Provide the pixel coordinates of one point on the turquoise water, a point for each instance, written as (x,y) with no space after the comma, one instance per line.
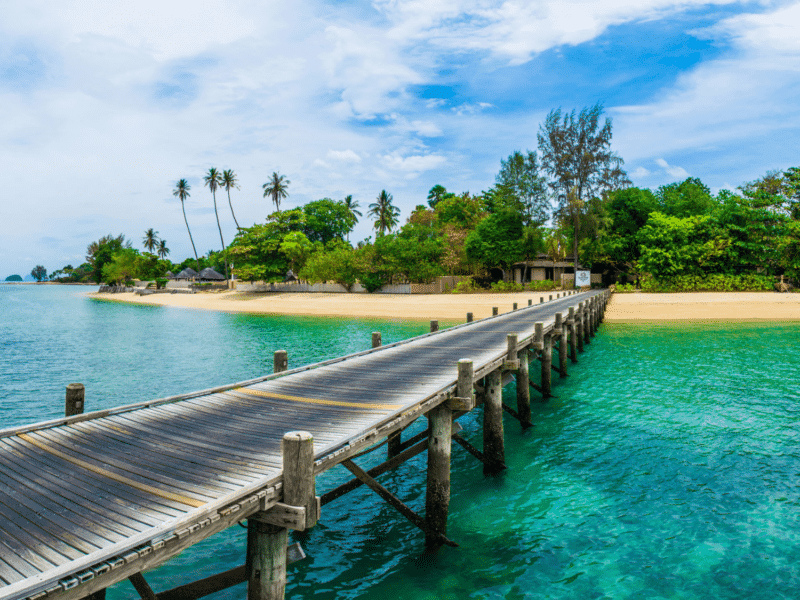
(667,465)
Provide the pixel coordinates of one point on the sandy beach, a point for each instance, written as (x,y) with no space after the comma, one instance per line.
(734,306)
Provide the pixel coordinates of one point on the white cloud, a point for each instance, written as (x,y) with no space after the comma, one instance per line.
(414,163)
(344,155)
(671,170)
(639,173)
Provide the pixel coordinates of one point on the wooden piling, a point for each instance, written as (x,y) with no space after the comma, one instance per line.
(495,311)
(561,332)
(524,389)
(541,299)
(74,399)
(530,302)
(579,321)
(547,366)
(437,496)
(266,543)
(376,339)
(280,361)
(469,317)
(585,320)
(573,355)
(493,442)
(434,326)
(515,306)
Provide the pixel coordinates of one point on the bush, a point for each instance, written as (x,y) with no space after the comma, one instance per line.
(541,286)
(161,283)
(708,283)
(506,286)
(466,286)
(624,288)
(372,281)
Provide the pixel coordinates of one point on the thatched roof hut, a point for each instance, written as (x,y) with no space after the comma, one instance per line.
(210,274)
(169,275)
(187,273)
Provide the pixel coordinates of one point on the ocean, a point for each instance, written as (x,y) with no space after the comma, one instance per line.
(666,466)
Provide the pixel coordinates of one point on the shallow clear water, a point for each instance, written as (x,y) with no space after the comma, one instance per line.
(667,466)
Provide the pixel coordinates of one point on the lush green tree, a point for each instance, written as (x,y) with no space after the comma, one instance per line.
(276,188)
(519,178)
(413,254)
(39,273)
(297,248)
(256,251)
(182,193)
(339,265)
(14,278)
(353,207)
(122,267)
(327,220)
(162,249)
(671,246)
(229,181)
(463,211)
(102,251)
(436,194)
(497,241)
(213,180)
(385,213)
(688,198)
(576,154)
(150,240)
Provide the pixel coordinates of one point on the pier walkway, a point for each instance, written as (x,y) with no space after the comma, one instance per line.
(89,500)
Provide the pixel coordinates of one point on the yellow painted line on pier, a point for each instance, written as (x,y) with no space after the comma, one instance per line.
(111,475)
(365,405)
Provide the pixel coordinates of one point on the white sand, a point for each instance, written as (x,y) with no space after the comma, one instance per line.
(733,306)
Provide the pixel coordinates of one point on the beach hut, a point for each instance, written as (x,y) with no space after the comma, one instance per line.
(187,273)
(210,274)
(169,275)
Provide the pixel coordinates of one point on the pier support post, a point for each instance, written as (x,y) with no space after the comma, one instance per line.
(585,319)
(573,355)
(437,496)
(469,317)
(547,366)
(74,399)
(524,389)
(541,299)
(434,326)
(593,328)
(579,318)
(376,339)
(493,442)
(515,306)
(561,329)
(266,543)
(495,311)
(280,361)
(530,302)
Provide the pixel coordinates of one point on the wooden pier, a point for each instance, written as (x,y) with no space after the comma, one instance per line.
(91,499)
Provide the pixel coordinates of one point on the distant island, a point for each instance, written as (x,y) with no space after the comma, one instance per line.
(13,278)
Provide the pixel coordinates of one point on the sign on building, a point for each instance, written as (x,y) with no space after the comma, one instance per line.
(583,278)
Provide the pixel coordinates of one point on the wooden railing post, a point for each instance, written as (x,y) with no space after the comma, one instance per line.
(493,442)
(561,327)
(434,326)
(495,311)
(437,493)
(280,361)
(572,334)
(469,317)
(74,399)
(376,339)
(266,543)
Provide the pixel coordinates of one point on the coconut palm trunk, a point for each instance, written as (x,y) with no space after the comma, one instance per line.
(182,192)
(213,180)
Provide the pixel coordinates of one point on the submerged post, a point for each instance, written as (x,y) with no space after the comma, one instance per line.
(74,399)
(437,495)
(434,326)
(493,442)
(376,339)
(561,329)
(266,543)
(280,361)
(573,355)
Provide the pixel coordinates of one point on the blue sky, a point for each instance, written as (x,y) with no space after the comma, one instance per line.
(106,105)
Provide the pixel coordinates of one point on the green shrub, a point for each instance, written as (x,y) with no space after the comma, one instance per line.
(541,286)
(465,286)
(624,288)
(506,286)
(161,283)
(751,282)
(372,281)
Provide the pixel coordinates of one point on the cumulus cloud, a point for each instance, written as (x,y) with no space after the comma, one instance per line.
(639,172)
(414,163)
(672,170)
(344,155)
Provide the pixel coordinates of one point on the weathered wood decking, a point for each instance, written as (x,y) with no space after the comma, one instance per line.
(92,499)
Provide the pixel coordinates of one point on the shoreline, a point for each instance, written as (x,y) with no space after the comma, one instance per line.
(622,308)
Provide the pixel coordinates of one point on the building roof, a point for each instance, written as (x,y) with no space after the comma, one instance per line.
(187,273)
(209,273)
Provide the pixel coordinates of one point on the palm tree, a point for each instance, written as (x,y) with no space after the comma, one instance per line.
(150,239)
(276,187)
(213,180)
(229,181)
(385,213)
(352,206)
(162,249)
(182,191)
